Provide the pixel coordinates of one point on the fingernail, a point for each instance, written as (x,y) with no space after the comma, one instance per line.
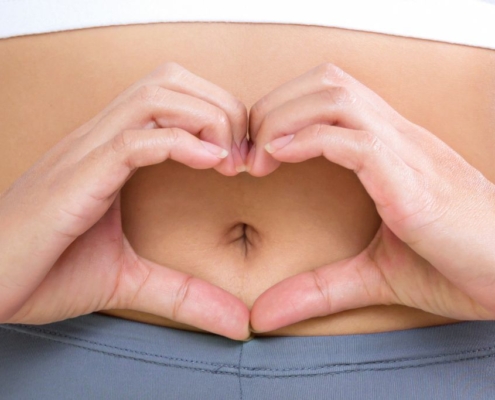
(214,149)
(277,144)
(250,337)
(251,329)
(250,158)
(244,148)
(238,161)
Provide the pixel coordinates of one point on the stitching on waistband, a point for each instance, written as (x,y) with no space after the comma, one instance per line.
(237,374)
(163,364)
(367,369)
(239,371)
(260,369)
(52,333)
(397,360)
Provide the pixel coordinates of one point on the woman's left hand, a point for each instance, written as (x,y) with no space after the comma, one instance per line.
(435,249)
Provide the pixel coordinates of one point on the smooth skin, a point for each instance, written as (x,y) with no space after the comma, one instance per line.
(61,222)
(435,247)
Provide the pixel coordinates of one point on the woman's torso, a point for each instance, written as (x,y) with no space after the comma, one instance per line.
(298,218)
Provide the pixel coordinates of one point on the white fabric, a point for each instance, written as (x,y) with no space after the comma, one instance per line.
(468,22)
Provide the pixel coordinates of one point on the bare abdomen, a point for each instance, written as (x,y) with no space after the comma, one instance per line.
(245,233)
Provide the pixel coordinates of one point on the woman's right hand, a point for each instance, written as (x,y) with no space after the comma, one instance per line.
(62,249)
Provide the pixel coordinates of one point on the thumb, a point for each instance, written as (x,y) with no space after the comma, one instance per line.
(155,289)
(347,284)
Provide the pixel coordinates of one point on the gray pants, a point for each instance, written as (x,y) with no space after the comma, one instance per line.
(102,357)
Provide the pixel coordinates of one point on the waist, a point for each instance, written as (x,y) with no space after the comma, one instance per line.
(245,233)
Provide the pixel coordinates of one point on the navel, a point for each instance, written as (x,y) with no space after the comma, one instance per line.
(244,235)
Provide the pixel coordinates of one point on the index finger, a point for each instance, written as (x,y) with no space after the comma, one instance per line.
(175,77)
(323,76)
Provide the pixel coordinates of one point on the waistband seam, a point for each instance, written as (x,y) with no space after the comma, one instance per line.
(73,338)
(367,369)
(241,375)
(108,353)
(247,372)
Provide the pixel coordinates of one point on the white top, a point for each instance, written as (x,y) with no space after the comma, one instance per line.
(468,22)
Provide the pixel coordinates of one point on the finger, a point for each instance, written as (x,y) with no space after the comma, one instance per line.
(102,171)
(101,281)
(413,199)
(386,272)
(238,158)
(345,285)
(164,108)
(174,77)
(158,290)
(336,106)
(398,190)
(323,77)
(78,198)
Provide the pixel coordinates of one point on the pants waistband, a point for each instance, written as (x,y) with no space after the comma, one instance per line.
(271,356)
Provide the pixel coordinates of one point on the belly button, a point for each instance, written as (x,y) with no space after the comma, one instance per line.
(244,235)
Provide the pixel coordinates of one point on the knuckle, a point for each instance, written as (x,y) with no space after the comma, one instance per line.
(172,136)
(123,147)
(321,285)
(221,119)
(257,109)
(368,149)
(370,142)
(146,88)
(171,73)
(97,154)
(317,133)
(339,96)
(330,75)
(132,281)
(149,93)
(121,142)
(239,110)
(169,68)
(181,297)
